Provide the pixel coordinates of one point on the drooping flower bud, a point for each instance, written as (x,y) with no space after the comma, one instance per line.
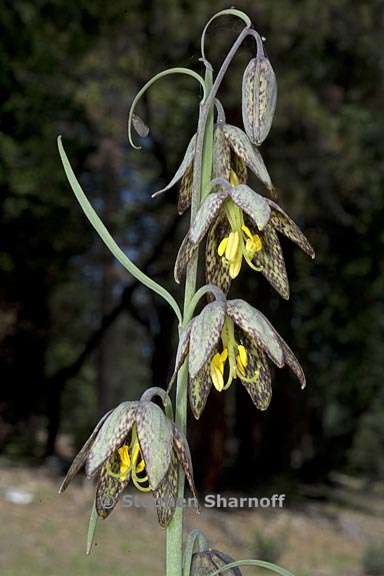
(259,94)
(208,561)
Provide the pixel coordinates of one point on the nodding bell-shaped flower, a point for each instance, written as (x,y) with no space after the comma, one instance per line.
(232,150)
(229,340)
(208,561)
(135,442)
(242,226)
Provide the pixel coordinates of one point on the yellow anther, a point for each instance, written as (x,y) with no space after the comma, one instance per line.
(247,231)
(130,461)
(140,467)
(124,455)
(125,462)
(243,355)
(242,359)
(235,267)
(232,246)
(233,179)
(217,369)
(222,246)
(253,242)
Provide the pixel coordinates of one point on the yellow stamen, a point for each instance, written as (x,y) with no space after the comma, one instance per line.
(247,231)
(232,246)
(131,461)
(222,246)
(217,369)
(243,355)
(235,267)
(242,359)
(140,467)
(125,462)
(253,242)
(233,179)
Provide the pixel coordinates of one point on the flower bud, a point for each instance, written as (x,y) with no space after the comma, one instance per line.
(259,99)
(204,563)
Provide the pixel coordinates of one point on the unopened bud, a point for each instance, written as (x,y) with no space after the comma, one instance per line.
(259,99)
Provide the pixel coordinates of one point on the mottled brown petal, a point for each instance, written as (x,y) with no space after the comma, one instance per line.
(205,333)
(241,145)
(82,455)
(199,388)
(155,435)
(293,363)
(180,446)
(259,94)
(185,191)
(216,272)
(271,261)
(206,215)
(284,224)
(261,390)
(184,255)
(109,488)
(182,351)
(253,204)
(256,325)
(186,162)
(239,166)
(166,494)
(221,161)
(111,436)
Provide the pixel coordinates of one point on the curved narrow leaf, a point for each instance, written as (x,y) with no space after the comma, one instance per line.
(107,238)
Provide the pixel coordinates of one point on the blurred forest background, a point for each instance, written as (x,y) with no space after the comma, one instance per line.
(78,335)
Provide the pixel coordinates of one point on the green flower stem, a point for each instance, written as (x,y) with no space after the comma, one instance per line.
(91,528)
(227,12)
(202,173)
(216,292)
(185,71)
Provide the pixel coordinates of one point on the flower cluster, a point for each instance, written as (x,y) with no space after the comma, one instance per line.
(231,339)
(228,339)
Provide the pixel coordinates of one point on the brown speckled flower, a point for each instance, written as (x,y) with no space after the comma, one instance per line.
(229,340)
(135,442)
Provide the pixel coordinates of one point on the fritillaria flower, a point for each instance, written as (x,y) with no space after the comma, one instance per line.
(229,340)
(134,442)
(243,227)
(232,150)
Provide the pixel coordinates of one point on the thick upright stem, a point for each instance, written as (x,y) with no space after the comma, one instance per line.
(201,176)
(202,173)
